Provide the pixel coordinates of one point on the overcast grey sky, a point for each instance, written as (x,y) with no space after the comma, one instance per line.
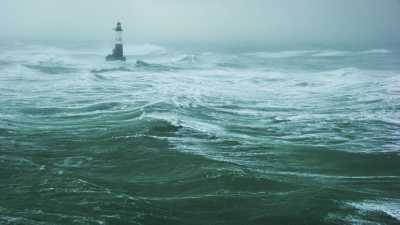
(296,21)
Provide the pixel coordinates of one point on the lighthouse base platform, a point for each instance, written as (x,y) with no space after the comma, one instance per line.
(117,54)
(115,58)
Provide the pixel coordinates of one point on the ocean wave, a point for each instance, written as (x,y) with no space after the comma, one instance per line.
(281,54)
(390,207)
(4,63)
(188,123)
(145,49)
(15,161)
(139,65)
(317,53)
(51,111)
(4,219)
(109,70)
(52,68)
(153,66)
(188,58)
(376,51)
(340,53)
(229,181)
(331,53)
(36,56)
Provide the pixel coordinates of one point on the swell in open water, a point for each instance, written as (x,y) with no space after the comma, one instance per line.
(173,137)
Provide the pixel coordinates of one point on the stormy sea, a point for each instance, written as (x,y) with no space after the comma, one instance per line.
(191,137)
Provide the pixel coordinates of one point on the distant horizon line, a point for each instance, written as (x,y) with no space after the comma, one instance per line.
(202,44)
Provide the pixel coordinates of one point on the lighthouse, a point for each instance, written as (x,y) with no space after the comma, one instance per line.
(118,51)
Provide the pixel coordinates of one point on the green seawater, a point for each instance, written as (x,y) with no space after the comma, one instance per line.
(175,136)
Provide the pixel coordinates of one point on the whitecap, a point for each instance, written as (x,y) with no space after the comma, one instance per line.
(376,51)
(389,207)
(282,54)
(331,53)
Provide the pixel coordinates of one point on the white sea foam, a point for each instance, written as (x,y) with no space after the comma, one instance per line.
(282,54)
(390,207)
(146,49)
(316,53)
(376,51)
(331,53)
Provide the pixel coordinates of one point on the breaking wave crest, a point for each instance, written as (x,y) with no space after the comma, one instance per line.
(319,53)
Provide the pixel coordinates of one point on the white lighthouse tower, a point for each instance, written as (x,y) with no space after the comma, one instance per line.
(118,51)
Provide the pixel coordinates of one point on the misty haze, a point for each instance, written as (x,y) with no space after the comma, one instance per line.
(204,112)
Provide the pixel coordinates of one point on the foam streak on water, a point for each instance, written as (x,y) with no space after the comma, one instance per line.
(171,137)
